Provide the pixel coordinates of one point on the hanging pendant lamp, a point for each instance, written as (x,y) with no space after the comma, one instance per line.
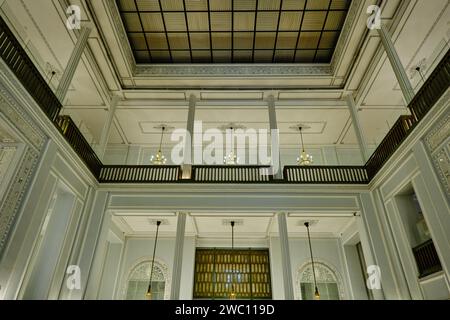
(231,159)
(233,292)
(149,291)
(316,292)
(159,158)
(304,159)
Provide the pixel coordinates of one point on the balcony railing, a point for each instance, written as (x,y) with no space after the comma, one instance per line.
(432,90)
(20,64)
(76,139)
(139,174)
(326,174)
(231,174)
(398,133)
(427,259)
(18,61)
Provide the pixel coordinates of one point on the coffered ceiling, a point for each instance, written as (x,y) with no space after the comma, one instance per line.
(233,31)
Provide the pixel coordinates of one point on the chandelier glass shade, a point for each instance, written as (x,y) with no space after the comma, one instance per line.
(231,159)
(304,159)
(159,159)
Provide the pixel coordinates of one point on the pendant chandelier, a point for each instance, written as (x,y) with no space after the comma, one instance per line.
(304,159)
(231,159)
(316,291)
(233,292)
(159,159)
(149,291)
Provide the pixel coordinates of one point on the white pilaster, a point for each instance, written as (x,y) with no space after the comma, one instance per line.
(400,73)
(178,258)
(72,65)
(190,130)
(134,155)
(358,128)
(434,204)
(285,257)
(107,128)
(274,126)
(330,156)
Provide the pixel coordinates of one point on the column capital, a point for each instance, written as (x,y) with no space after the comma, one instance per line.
(271,98)
(192,97)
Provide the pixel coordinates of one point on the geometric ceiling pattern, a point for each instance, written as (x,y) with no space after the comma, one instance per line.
(233,31)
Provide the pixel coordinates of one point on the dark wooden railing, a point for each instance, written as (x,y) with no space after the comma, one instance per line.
(427,259)
(76,139)
(231,174)
(20,64)
(326,174)
(432,90)
(139,174)
(401,129)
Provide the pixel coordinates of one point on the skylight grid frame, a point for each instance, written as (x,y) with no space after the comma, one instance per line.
(199,41)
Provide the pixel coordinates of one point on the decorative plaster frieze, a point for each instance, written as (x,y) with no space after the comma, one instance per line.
(224,70)
(20,123)
(14,197)
(6,156)
(441,162)
(440,131)
(437,142)
(142,267)
(13,111)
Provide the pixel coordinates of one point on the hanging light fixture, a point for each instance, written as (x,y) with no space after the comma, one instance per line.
(149,291)
(231,158)
(159,158)
(316,292)
(304,159)
(233,292)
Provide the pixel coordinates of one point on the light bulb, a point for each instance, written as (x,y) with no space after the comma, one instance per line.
(317,294)
(158,159)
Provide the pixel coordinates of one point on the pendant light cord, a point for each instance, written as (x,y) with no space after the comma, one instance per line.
(232,255)
(312,259)
(158,223)
(232,147)
(162,135)
(301,136)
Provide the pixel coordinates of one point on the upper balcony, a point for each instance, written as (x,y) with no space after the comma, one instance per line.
(20,64)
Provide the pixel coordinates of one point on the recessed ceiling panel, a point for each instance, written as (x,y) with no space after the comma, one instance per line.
(233,31)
